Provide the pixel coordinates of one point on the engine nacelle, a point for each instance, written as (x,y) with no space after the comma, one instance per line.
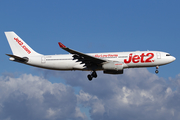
(113,66)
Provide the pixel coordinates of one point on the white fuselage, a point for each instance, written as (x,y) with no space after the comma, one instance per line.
(109,63)
(127,59)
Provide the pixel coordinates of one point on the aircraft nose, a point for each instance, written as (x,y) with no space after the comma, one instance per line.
(174,58)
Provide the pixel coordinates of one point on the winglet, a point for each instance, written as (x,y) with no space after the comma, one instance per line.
(61,45)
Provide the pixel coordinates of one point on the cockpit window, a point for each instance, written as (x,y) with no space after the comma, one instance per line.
(168,55)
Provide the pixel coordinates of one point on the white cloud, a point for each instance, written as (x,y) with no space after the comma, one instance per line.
(137,94)
(32,97)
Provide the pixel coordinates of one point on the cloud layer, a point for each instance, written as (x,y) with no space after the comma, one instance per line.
(34,98)
(137,94)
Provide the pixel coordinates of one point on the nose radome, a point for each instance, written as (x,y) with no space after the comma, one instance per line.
(173,58)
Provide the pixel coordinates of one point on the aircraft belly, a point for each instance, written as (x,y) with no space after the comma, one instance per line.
(60,65)
(57,65)
(141,65)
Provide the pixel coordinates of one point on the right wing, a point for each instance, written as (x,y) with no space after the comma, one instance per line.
(88,60)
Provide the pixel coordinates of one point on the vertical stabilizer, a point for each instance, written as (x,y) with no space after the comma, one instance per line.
(18,46)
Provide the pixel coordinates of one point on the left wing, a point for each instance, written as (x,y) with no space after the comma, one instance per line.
(88,60)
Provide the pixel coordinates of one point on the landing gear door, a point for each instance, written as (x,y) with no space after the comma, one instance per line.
(158,55)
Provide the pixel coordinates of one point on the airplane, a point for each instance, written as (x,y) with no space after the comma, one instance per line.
(109,63)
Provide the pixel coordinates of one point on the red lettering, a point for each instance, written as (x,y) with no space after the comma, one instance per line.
(16,39)
(23,46)
(20,43)
(142,58)
(151,56)
(116,55)
(135,59)
(96,55)
(118,64)
(26,49)
(128,61)
(105,56)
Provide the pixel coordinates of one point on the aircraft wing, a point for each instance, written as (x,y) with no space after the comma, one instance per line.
(88,60)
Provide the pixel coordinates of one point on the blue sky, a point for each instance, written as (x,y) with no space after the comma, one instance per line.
(92,26)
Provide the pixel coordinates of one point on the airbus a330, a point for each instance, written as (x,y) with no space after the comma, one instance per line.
(109,63)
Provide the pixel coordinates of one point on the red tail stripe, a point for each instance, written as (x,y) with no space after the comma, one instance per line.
(61,45)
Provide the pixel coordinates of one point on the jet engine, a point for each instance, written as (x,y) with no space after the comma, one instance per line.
(113,68)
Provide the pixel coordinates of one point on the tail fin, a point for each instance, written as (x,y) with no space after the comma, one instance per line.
(18,46)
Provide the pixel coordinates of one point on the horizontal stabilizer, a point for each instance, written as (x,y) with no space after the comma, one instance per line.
(18,59)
